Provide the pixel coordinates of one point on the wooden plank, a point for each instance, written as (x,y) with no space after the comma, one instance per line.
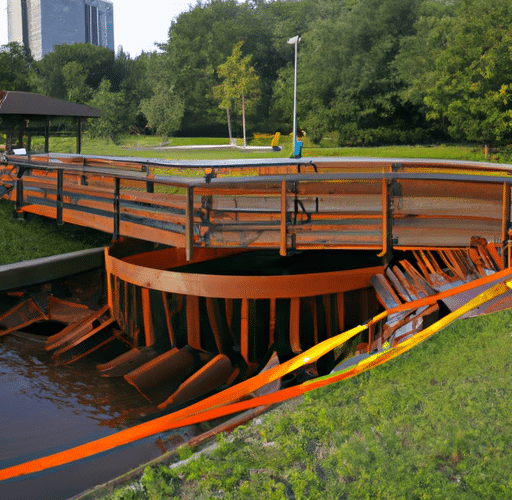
(157,379)
(83,337)
(413,292)
(295,325)
(168,321)
(193,323)
(20,316)
(385,293)
(205,380)
(218,324)
(149,331)
(75,331)
(272,321)
(244,330)
(395,282)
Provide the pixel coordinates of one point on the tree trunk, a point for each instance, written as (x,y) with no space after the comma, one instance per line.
(229,127)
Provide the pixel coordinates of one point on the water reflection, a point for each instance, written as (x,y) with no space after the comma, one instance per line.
(46,405)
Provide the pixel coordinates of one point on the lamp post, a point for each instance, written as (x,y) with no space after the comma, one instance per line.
(294,41)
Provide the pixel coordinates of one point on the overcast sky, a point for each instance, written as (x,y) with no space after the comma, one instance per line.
(138,24)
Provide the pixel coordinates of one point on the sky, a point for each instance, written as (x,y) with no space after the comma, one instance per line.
(138,24)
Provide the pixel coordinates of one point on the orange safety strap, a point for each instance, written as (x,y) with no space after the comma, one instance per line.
(223,404)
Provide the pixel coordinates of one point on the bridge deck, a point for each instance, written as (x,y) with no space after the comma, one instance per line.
(285,204)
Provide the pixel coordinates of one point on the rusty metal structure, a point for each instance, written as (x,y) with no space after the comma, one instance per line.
(219,270)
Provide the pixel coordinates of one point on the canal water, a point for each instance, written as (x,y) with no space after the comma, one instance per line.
(46,407)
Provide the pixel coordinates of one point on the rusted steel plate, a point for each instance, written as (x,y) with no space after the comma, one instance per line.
(23,314)
(253,287)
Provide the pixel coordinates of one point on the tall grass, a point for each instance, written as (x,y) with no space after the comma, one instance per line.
(34,237)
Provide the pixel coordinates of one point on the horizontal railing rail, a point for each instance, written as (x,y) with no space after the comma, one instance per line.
(304,203)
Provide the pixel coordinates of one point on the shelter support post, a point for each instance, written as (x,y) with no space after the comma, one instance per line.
(78,135)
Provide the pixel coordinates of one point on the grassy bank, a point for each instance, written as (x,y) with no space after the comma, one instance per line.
(433,424)
(34,237)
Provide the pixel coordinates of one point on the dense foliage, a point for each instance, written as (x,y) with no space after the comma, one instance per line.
(370,72)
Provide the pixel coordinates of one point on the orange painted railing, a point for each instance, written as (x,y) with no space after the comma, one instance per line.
(304,204)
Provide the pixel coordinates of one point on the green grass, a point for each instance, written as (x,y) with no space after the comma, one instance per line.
(452,152)
(144,146)
(38,237)
(432,424)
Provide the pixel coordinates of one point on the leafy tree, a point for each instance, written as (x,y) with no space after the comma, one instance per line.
(16,68)
(75,77)
(164,111)
(203,38)
(464,78)
(240,83)
(113,119)
(97,63)
(347,83)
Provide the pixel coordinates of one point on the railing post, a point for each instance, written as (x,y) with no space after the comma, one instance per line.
(390,189)
(189,223)
(505,223)
(385,218)
(150,185)
(60,182)
(282,247)
(115,233)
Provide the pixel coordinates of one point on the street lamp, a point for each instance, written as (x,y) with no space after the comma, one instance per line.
(295,147)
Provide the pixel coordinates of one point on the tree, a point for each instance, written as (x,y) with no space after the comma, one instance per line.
(75,77)
(164,111)
(97,63)
(240,84)
(464,76)
(113,119)
(16,68)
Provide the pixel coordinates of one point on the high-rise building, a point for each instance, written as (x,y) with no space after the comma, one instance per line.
(42,24)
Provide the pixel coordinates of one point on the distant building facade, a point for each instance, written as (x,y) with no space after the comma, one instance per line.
(42,24)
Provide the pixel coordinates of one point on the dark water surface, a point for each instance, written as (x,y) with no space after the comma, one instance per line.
(46,407)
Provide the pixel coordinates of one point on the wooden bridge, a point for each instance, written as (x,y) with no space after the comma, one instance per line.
(285,204)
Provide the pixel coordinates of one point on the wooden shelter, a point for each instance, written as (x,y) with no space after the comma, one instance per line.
(24,113)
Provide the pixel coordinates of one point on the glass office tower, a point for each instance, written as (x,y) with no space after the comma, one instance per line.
(42,24)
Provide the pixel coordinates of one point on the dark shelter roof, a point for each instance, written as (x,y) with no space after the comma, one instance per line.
(25,103)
